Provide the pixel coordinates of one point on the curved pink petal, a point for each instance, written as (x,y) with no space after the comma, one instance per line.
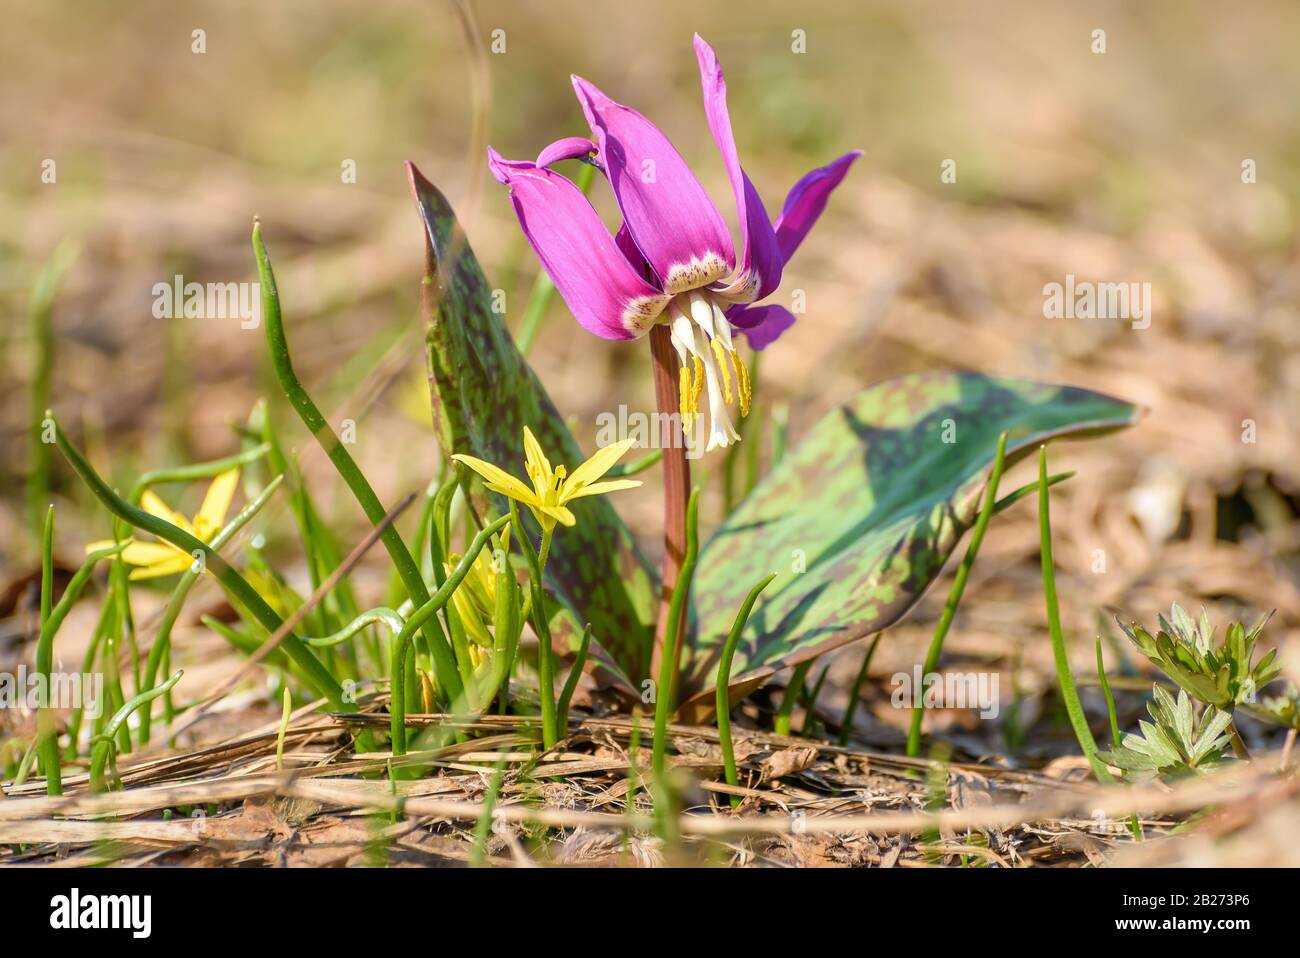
(623,239)
(762,325)
(675,225)
(761,262)
(567,148)
(599,285)
(806,202)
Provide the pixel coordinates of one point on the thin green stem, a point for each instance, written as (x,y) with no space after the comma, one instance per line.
(1029,488)
(723,702)
(1110,699)
(285,711)
(483,827)
(636,466)
(541,625)
(41,312)
(104,748)
(855,693)
(1069,694)
(664,688)
(398,643)
(571,683)
(957,590)
(47,565)
(45,731)
(376,616)
(810,704)
(197,470)
(793,690)
(49,740)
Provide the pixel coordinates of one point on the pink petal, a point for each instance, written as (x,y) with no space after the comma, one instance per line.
(806,202)
(568,148)
(675,225)
(761,324)
(760,267)
(601,288)
(623,239)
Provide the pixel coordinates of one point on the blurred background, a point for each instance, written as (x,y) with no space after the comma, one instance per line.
(1116,166)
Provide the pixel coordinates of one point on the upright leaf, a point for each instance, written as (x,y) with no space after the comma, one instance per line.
(483,394)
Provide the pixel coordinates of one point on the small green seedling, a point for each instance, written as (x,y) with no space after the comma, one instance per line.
(1177,742)
(1219,675)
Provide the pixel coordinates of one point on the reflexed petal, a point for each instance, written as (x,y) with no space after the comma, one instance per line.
(509,485)
(156,507)
(674,223)
(212,514)
(761,324)
(806,202)
(595,467)
(760,267)
(568,148)
(600,287)
(178,562)
(600,488)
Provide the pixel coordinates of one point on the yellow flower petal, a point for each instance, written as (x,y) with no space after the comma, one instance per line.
(595,467)
(149,553)
(600,488)
(524,496)
(539,467)
(556,512)
(180,563)
(212,514)
(509,485)
(156,507)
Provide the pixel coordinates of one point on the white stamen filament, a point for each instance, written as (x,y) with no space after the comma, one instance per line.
(721,432)
(705,313)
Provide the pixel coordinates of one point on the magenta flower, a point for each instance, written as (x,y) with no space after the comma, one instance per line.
(672,261)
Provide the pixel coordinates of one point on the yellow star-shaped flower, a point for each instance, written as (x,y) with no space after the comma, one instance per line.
(155,559)
(553,488)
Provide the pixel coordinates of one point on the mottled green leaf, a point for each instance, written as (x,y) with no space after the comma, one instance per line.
(869,506)
(483,394)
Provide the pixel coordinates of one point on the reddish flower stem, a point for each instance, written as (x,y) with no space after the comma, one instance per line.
(677,483)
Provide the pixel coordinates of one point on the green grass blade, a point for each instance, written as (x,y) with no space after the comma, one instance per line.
(443,660)
(1069,694)
(104,745)
(676,609)
(792,693)
(571,683)
(41,312)
(855,693)
(958,588)
(724,680)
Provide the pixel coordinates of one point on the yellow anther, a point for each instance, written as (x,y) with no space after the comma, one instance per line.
(684,397)
(698,383)
(720,354)
(742,383)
